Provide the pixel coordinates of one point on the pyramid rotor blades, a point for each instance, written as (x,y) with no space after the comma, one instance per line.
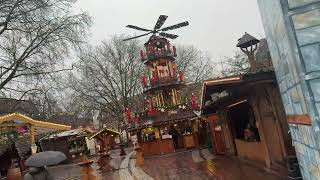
(137,36)
(161,20)
(176,26)
(138,28)
(167,35)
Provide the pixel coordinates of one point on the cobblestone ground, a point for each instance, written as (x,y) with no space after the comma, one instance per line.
(234,169)
(177,166)
(191,165)
(72,171)
(181,166)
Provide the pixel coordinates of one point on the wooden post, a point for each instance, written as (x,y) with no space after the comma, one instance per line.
(86,169)
(32,135)
(254,103)
(122,152)
(104,162)
(14,173)
(139,156)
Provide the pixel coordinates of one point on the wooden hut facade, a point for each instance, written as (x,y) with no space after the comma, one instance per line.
(247,118)
(72,143)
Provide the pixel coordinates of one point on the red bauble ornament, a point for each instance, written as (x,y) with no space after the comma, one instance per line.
(128,114)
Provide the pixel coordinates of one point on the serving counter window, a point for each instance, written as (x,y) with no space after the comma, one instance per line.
(148,134)
(244,122)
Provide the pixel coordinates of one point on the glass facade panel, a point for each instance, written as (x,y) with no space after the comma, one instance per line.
(318,109)
(295,98)
(296,3)
(309,35)
(302,29)
(315,86)
(308,19)
(311,57)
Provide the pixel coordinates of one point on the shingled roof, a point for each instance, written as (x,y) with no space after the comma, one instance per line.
(263,46)
(247,40)
(167,116)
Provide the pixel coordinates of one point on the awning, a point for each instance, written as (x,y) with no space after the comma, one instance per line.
(35,126)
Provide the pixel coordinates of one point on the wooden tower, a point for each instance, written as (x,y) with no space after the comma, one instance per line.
(162,82)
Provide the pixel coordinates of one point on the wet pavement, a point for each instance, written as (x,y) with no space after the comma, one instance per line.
(182,166)
(191,165)
(177,166)
(234,169)
(72,171)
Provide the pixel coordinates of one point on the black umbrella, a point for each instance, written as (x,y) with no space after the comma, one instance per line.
(45,158)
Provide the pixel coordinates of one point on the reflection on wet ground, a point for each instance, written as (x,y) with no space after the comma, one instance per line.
(179,166)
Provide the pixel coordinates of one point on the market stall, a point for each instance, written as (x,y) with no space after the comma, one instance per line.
(18,138)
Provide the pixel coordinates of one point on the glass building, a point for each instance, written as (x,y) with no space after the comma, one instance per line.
(293,33)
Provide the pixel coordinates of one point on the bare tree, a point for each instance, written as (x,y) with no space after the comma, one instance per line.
(238,64)
(195,64)
(36,36)
(108,76)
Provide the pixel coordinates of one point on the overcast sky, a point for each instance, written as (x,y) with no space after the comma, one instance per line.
(215,25)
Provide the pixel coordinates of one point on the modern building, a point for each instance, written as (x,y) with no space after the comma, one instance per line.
(293,33)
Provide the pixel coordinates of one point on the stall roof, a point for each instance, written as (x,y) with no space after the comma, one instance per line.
(23,146)
(167,116)
(213,86)
(108,130)
(40,126)
(73,132)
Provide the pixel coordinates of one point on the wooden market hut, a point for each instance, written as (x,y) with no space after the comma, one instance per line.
(105,139)
(156,134)
(18,133)
(72,143)
(247,118)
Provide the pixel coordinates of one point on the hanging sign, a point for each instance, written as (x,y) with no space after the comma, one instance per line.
(219,95)
(299,119)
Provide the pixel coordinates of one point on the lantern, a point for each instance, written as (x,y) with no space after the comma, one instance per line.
(152,81)
(136,119)
(181,76)
(149,107)
(174,50)
(193,101)
(144,81)
(141,54)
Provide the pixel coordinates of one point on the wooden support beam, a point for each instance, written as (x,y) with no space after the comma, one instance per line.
(32,135)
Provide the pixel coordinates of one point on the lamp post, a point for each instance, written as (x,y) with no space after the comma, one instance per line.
(248,45)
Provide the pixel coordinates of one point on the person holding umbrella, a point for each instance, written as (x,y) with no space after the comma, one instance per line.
(38,173)
(37,164)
